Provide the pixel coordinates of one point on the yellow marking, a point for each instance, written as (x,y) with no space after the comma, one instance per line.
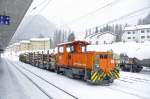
(117,74)
(109,74)
(93,76)
(104,75)
(100,77)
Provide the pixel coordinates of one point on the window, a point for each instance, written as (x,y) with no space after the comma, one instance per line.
(133,32)
(83,49)
(148,36)
(129,37)
(104,56)
(133,37)
(147,31)
(129,32)
(142,31)
(61,49)
(142,37)
(70,48)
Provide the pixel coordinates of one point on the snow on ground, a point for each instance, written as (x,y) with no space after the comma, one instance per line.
(132,49)
(129,86)
(13,85)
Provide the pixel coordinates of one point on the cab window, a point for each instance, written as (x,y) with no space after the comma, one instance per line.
(70,49)
(61,50)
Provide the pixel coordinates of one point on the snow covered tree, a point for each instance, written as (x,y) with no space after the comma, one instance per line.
(71,37)
(96,29)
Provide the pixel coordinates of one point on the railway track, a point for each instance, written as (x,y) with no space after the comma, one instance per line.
(137,79)
(131,90)
(114,88)
(123,88)
(40,88)
(133,80)
(48,82)
(118,89)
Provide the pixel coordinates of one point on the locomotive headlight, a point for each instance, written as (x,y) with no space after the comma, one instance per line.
(96,65)
(112,61)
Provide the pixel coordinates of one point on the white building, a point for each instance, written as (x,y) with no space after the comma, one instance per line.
(101,38)
(40,43)
(25,45)
(139,33)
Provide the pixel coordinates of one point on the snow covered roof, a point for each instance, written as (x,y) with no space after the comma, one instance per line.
(24,41)
(137,27)
(39,39)
(16,43)
(73,42)
(132,49)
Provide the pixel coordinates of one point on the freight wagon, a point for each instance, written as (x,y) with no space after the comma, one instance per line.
(130,64)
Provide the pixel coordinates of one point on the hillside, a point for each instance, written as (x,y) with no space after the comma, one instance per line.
(34,26)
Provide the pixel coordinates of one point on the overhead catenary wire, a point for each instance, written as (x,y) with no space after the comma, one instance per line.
(122,17)
(38,5)
(42,9)
(92,12)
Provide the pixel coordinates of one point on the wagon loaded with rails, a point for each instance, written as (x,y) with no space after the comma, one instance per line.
(130,64)
(73,60)
(39,59)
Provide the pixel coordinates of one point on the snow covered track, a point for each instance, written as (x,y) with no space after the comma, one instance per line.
(36,84)
(129,86)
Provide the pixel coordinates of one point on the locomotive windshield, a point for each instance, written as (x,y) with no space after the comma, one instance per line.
(70,48)
(104,56)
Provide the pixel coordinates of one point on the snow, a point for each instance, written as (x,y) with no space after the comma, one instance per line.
(137,27)
(24,41)
(132,49)
(129,86)
(13,85)
(39,39)
(16,43)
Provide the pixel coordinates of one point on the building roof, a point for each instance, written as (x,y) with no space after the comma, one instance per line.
(16,44)
(24,41)
(39,39)
(137,27)
(74,42)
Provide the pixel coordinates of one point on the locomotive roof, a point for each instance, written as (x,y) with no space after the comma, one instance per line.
(74,42)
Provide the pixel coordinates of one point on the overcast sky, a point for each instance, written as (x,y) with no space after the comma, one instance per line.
(74,14)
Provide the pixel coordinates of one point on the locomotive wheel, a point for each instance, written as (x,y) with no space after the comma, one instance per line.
(57,70)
